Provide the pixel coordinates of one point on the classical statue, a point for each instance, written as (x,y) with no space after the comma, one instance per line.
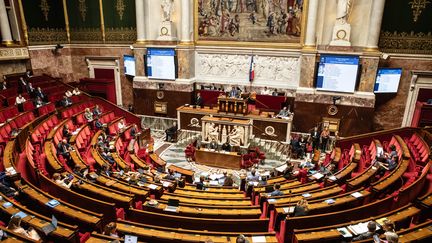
(235,136)
(212,132)
(344,8)
(167,8)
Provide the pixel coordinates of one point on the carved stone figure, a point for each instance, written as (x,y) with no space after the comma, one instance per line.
(212,132)
(167,8)
(235,136)
(343,10)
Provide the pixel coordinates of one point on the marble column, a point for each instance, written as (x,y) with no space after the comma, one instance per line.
(186,6)
(140,27)
(4,25)
(375,24)
(310,37)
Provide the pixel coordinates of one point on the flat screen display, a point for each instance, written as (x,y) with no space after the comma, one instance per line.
(337,73)
(387,80)
(161,63)
(129,65)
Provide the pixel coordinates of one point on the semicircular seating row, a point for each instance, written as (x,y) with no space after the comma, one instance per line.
(219,214)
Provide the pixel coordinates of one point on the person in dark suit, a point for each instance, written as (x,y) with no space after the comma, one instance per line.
(98,124)
(199,100)
(63,149)
(39,93)
(277,191)
(369,234)
(302,208)
(97,111)
(213,145)
(226,146)
(233,93)
(3,84)
(315,135)
(170,132)
(66,101)
(200,184)
(66,133)
(22,85)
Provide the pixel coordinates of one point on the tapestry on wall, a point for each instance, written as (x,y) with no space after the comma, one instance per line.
(249,20)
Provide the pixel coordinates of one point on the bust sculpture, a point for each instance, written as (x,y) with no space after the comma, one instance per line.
(343,11)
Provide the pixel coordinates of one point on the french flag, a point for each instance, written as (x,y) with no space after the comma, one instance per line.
(252,70)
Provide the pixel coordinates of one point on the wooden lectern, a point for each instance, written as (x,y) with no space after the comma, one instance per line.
(232,105)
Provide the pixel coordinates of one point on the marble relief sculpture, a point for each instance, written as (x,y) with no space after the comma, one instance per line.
(343,11)
(212,132)
(235,136)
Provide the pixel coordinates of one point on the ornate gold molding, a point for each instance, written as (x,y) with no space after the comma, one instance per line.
(14,53)
(120,35)
(102,20)
(86,35)
(414,43)
(47,35)
(45,8)
(66,16)
(23,22)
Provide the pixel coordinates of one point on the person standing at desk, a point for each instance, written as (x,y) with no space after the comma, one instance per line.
(213,145)
(170,132)
(233,93)
(283,113)
(199,100)
(226,146)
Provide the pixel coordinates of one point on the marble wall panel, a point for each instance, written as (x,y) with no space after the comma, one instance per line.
(185,59)
(368,73)
(11,67)
(57,64)
(389,109)
(307,70)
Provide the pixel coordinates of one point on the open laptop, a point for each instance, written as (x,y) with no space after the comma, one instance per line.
(51,226)
(130,239)
(173,205)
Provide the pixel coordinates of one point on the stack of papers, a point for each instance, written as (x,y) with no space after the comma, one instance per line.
(171,209)
(7,204)
(381,221)
(152,186)
(329,201)
(356,194)
(360,228)
(344,232)
(11,170)
(53,203)
(333,178)
(271,200)
(258,239)
(21,214)
(214,183)
(318,176)
(166,184)
(289,210)
(281,168)
(306,195)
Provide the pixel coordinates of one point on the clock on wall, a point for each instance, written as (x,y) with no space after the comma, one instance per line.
(164,31)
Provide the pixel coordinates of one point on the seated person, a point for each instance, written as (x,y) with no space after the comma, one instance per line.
(15,226)
(226,146)
(228,180)
(369,234)
(63,149)
(283,113)
(200,184)
(287,173)
(97,111)
(277,191)
(3,85)
(275,92)
(66,132)
(98,124)
(7,190)
(251,101)
(106,170)
(19,101)
(253,176)
(68,93)
(76,91)
(199,100)
(134,131)
(301,208)
(121,125)
(106,155)
(30,89)
(38,102)
(213,144)
(64,182)
(170,132)
(39,93)
(266,91)
(111,230)
(234,93)
(88,115)
(66,101)
(170,176)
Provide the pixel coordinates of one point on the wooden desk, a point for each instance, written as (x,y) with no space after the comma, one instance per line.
(232,105)
(208,201)
(229,160)
(157,161)
(189,174)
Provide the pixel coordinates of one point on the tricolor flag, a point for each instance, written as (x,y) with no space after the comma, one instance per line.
(252,70)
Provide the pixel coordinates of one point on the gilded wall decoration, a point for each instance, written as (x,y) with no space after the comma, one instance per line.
(417,7)
(82,9)
(86,35)
(249,20)
(120,7)
(47,35)
(415,43)
(45,8)
(120,35)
